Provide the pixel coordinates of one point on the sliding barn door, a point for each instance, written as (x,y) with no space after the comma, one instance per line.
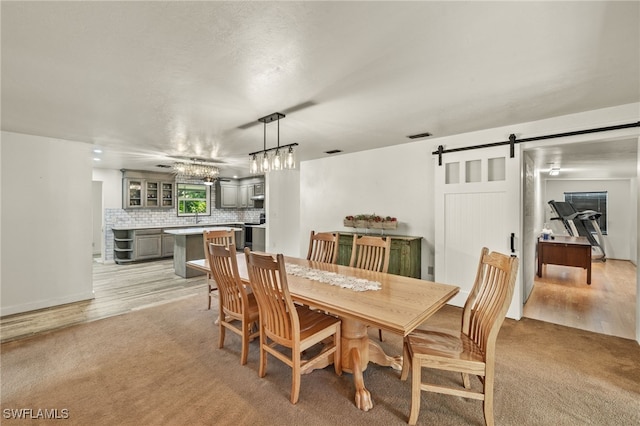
(477,204)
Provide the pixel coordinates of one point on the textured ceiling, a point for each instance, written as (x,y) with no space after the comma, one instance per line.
(149,80)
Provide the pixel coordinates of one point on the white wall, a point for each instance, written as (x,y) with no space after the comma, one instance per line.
(633,228)
(395,181)
(399,180)
(110,183)
(111,187)
(282,212)
(618,240)
(46,222)
(638,249)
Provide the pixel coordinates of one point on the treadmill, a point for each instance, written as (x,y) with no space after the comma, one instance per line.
(577,224)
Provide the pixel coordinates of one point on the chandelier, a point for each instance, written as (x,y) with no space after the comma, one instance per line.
(276,158)
(197,169)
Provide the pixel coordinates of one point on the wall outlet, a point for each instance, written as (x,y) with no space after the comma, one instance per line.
(430,270)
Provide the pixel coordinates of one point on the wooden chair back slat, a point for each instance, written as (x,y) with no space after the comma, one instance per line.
(224,269)
(323,247)
(269,283)
(280,321)
(235,303)
(221,237)
(472,350)
(371,253)
(489,299)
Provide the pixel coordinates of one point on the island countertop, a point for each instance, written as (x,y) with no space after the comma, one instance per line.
(200,230)
(170,227)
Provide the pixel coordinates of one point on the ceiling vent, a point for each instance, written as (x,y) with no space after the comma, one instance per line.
(419,135)
(333,151)
(163,166)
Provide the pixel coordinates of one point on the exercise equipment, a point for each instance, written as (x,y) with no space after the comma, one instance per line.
(577,225)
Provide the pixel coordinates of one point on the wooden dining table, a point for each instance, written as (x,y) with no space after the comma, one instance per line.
(400,305)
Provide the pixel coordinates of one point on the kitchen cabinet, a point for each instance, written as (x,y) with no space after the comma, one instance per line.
(226,195)
(123,246)
(131,245)
(234,194)
(405,257)
(148,244)
(167,245)
(153,191)
(243,196)
(250,194)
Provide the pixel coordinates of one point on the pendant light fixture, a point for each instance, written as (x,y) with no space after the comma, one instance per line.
(282,158)
(195,168)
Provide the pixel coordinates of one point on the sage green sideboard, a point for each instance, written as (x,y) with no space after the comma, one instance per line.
(405,253)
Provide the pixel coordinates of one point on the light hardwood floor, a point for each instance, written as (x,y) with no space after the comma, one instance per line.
(118,289)
(561,296)
(607,306)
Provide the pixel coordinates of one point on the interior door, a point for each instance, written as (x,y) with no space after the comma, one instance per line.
(477,204)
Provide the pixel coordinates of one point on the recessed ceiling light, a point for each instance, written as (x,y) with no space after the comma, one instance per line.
(555,171)
(96,159)
(97,151)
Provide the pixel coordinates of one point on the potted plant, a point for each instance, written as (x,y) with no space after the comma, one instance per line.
(390,223)
(375,221)
(348,221)
(362,221)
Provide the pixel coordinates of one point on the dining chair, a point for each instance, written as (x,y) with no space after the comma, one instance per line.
(472,350)
(372,254)
(215,237)
(323,247)
(236,305)
(285,324)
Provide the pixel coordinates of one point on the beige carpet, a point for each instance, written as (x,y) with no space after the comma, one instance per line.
(161,366)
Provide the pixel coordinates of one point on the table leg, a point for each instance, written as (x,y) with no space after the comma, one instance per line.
(355,357)
(377,355)
(363,396)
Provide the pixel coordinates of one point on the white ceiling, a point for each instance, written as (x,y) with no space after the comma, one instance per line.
(149,80)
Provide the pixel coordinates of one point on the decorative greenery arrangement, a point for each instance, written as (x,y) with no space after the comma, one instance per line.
(371,221)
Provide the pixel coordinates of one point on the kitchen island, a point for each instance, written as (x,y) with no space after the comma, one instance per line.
(188,245)
(135,243)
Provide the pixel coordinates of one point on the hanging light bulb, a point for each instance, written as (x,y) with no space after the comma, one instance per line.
(265,163)
(253,165)
(290,159)
(277,160)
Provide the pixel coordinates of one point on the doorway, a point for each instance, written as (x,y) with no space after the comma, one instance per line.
(97,214)
(561,296)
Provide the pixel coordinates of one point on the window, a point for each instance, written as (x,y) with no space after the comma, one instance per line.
(193,199)
(596,201)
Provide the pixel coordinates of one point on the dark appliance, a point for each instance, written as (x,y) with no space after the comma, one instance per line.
(248,230)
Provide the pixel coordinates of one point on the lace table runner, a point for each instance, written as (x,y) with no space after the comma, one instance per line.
(352,283)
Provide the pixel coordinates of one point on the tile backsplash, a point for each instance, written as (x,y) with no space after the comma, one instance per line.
(163,217)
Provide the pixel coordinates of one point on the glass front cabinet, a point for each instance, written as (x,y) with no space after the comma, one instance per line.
(148,193)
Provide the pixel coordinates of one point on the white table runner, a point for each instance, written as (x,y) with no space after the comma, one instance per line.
(332,278)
